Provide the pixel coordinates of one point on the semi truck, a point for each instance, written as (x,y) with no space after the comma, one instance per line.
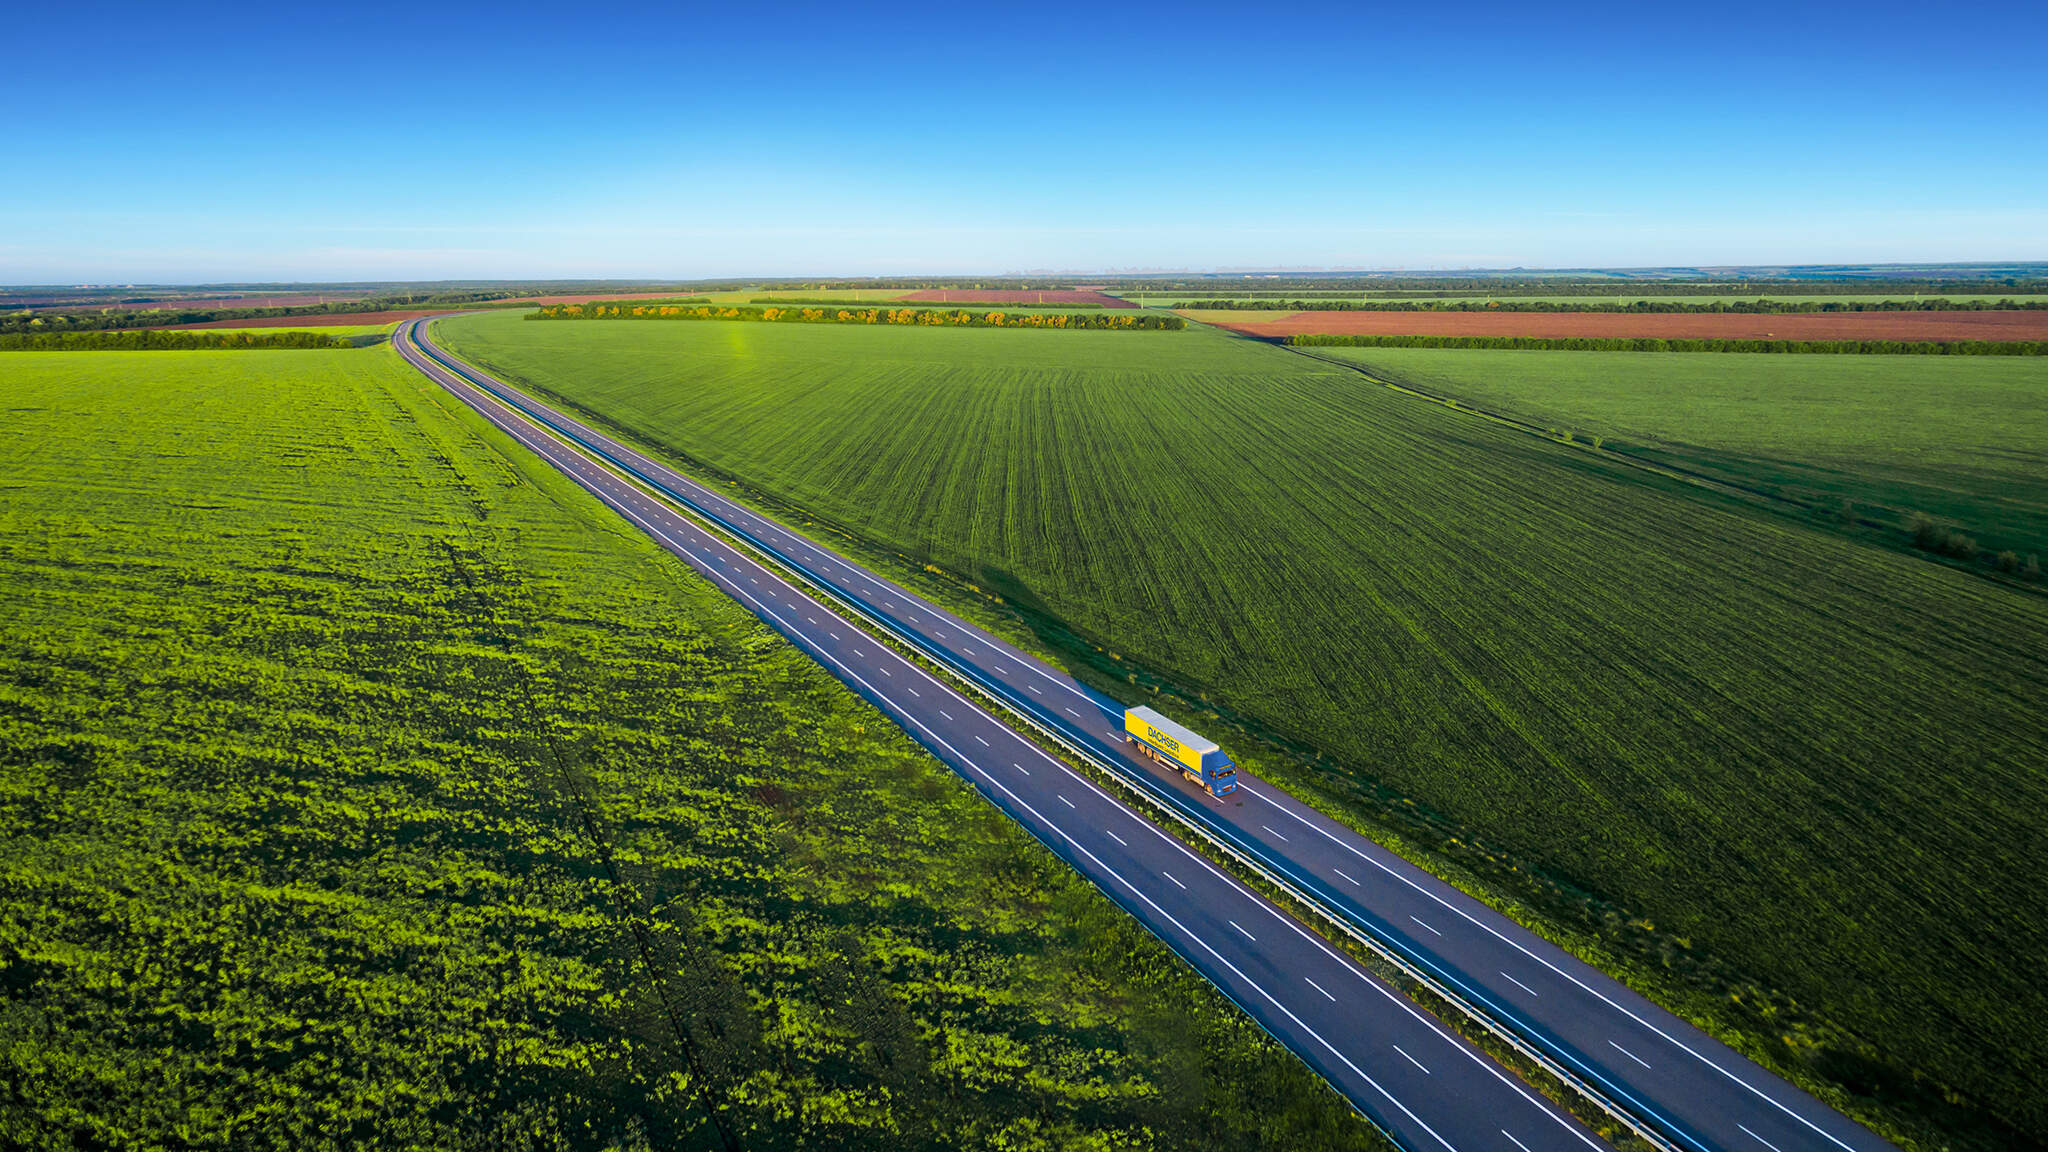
(1174,746)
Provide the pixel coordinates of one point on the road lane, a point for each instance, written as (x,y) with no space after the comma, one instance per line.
(1278,974)
(1695,1092)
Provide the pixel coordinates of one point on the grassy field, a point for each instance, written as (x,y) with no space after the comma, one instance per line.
(363,788)
(1963,439)
(1791,783)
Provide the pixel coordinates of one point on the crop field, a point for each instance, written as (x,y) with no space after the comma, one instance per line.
(177,299)
(1785,780)
(310,324)
(377,321)
(1963,439)
(588,297)
(363,785)
(2032,325)
(850,295)
(1178,299)
(1242,319)
(1016,296)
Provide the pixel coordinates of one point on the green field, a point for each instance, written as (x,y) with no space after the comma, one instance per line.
(1794,784)
(1964,439)
(365,787)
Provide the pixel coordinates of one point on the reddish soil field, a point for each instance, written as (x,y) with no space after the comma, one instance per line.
(1666,325)
(313,320)
(1014,296)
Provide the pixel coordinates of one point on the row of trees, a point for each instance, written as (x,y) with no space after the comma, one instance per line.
(1646,344)
(160,341)
(1758,306)
(927,317)
(1428,286)
(904,303)
(100,320)
(1943,538)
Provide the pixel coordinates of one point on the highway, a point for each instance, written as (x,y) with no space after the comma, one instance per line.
(1684,1088)
(1419,1082)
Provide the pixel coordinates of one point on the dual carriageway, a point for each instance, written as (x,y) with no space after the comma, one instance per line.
(1420,1082)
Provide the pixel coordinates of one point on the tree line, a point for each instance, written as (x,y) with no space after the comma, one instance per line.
(928,317)
(1758,306)
(902,303)
(160,341)
(32,321)
(1648,344)
(1439,286)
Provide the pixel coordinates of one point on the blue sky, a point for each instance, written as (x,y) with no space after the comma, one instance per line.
(166,143)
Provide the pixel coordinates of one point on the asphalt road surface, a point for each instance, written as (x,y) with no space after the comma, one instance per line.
(1423,1086)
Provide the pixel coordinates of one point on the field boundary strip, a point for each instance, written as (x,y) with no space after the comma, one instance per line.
(1245,857)
(1758,497)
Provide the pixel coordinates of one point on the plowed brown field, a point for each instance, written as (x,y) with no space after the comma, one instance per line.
(1014,296)
(1661,325)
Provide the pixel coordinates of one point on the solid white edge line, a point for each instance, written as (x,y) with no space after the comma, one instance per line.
(1594,992)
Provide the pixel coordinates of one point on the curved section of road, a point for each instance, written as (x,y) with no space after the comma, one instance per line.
(1688,1089)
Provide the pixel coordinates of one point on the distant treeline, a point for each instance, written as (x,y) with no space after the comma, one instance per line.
(931,317)
(1442,286)
(1763,306)
(32,321)
(1602,344)
(166,341)
(842,302)
(153,341)
(43,322)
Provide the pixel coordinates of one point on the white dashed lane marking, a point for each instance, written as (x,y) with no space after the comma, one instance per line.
(1629,1054)
(1411,1059)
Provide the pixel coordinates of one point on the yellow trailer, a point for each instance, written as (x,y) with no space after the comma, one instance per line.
(1170,744)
